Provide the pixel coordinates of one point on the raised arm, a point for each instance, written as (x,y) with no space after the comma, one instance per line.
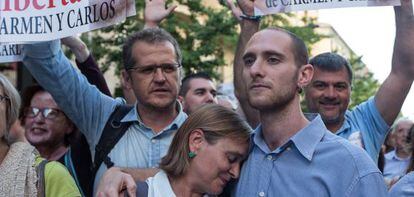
(392,93)
(156,11)
(248,28)
(83,103)
(86,63)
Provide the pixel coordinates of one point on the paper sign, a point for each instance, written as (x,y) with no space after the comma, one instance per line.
(265,7)
(41,20)
(10,53)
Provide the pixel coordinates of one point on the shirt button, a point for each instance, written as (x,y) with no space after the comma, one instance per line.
(153,141)
(288,148)
(269,157)
(261,194)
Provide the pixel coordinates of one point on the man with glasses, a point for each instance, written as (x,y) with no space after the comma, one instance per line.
(152,59)
(55,136)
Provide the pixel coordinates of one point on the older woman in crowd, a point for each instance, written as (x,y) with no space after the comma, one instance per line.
(205,154)
(405,186)
(19,173)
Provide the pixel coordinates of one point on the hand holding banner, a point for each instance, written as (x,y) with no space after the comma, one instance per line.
(33,20)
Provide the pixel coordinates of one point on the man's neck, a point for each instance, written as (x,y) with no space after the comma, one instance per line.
(52,153)
(279,125)
(157,119)
(334,126)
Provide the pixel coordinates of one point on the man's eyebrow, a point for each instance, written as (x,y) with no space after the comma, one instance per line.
(200,89)
(248,54)
(272,52)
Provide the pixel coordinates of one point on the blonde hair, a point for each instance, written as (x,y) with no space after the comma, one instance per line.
(12,103)
(217,122)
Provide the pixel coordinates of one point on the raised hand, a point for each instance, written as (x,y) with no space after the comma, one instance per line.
(155,11)
(404,42)
(244,7)
(77,46)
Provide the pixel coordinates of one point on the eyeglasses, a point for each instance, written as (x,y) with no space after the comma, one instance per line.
(147,70)
(3,98)
(48,113)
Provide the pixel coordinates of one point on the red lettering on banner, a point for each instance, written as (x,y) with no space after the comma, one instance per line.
(17,5)
(37,6)
(51,5)
(22,5)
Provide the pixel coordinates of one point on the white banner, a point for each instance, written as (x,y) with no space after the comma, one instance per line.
(10,53)
(41,20)
(265,7)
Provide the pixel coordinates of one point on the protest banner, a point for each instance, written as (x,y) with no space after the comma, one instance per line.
(265,7)
(34,20)
(10,52)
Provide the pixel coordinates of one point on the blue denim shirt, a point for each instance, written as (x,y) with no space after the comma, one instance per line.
(314,162)
(365,127)
(89,109)
(404,187)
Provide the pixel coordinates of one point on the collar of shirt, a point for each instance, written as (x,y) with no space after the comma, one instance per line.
(393,156)
(304,140)
(133,116)
(345,126)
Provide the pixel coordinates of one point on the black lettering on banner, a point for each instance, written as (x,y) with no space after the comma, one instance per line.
(285,2)
(10,50)
(42,24)
(68,19)
(88,15)
(14,22)
(95,19)
(271,3)
(79,19)
(3,27)
(59,17)
(104,11)
(27,25)
(111,5)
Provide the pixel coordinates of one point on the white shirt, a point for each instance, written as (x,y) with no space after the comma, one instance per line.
(159,186)
(394,165)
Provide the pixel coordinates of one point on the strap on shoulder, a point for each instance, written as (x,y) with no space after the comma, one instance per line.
(40,170)
(113,131)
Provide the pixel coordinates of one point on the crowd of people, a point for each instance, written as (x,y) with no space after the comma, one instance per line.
(173,135)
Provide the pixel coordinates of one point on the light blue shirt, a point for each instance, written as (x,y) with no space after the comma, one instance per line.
(365,127)
(314,162)
(395,167)
(404,187)
(89,109)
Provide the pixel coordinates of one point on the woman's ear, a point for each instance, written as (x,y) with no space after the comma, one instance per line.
(305,75)
(196,140)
